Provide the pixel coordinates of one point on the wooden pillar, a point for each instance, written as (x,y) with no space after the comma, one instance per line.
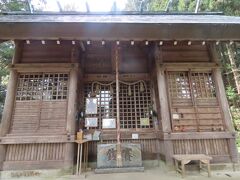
(164,106)
(10,100)
(223,102)
(7,111)
(220,90)
(71,115)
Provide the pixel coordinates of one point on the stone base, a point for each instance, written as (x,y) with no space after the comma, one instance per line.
(119,170)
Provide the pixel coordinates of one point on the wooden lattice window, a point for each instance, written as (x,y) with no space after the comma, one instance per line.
(29,87)
(133,106)
(55,86)
(106,103)
(38,86)
(178,83)
(203,86)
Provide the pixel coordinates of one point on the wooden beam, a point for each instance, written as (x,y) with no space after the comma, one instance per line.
(110,77)
(36,139)
(113,31)
(43,67)
(200,135)
(204,66)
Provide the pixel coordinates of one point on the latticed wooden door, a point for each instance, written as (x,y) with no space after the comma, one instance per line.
(193,101)
(41,103)
(134,104)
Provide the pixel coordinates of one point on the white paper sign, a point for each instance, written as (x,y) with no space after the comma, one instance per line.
(109,123)
(91,106)
(175,116)
(135,136)
(91,122)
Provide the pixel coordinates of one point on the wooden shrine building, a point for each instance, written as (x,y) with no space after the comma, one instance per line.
(171,97)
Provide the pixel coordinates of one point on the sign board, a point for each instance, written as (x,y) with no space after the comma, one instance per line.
(91,122)
(135,136)
(144,122)
(91,106)
(175,116)
(131,155)
(108,123)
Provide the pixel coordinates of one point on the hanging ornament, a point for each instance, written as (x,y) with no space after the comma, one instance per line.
(129,91)
(97,89)
(142,87)
(111,90)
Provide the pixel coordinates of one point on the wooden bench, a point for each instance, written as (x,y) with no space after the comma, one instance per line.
(184,159)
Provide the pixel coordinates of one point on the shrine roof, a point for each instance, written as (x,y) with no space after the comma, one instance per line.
(120,26)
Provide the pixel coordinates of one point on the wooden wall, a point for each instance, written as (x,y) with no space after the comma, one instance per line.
(184,53)
(35,152)
(212,147)
(38,117)
(50,52)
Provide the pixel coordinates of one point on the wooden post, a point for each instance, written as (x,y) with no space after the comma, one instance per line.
(220,89)
(162,91)
(116,57)
(71,114)
(7,111)
(221,94)
(10,100)
(164,106)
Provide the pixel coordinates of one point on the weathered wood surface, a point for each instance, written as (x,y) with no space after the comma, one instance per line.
(152,27)
(43,67)
(50,52)
(39,117)
(35,152)
(32,139)
(185,53)
(7,112)
(187,158)
(37,125)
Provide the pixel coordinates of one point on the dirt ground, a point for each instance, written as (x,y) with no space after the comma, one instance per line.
(157,173)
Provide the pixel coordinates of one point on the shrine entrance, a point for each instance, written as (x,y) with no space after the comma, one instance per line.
(118,102)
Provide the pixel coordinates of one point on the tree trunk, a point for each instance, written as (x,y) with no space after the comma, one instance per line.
(236,74)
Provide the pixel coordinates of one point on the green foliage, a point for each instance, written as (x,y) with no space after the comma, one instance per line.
(231,93)
(229,7)
(13,5)
(236,117)
(6,54)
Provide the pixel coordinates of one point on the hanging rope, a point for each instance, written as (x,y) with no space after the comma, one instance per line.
(142,85)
